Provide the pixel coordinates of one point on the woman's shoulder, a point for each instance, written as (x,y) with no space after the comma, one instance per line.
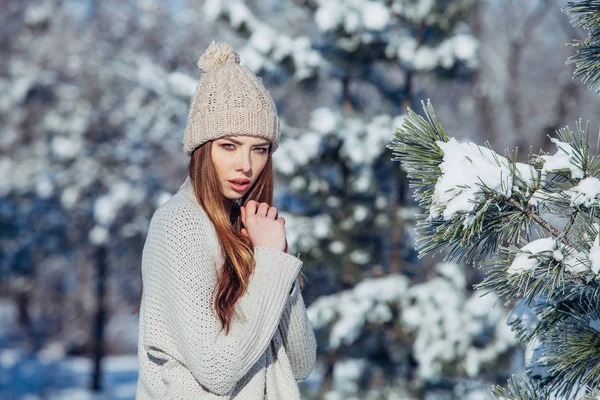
(181,211)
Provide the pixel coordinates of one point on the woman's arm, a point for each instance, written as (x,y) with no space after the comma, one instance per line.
(179,272)
(298,336)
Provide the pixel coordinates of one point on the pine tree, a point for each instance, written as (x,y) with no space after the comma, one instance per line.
(534,227)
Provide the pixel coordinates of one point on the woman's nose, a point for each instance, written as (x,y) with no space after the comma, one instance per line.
(243,163)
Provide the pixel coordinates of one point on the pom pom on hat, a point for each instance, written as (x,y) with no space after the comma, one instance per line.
(217,54)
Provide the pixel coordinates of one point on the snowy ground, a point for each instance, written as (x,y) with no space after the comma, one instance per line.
(48,375)
(27,377)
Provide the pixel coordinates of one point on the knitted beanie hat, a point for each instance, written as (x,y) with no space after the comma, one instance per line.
(229,100)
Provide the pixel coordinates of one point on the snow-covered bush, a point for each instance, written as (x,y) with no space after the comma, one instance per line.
(453,331)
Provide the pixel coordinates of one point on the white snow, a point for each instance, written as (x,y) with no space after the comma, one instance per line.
(416,10)
(360,213)
(98,235)
(9,357)
(182,84)
(329,15)
(576,262)
(585,193)
(346,374)
(360,257)
(524,261)
(212,9)
(564,158)
(65,148)
(457,193)
(425,58)
(44,188)
(337,247)
(263,39)
(105,209)
(324,120)
(528,174)
(239,13)
(594,255)
(375,16)
(161,198)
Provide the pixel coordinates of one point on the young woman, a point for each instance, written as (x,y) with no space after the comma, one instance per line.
(222,316)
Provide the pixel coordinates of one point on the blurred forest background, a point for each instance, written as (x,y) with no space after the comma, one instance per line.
(94,98)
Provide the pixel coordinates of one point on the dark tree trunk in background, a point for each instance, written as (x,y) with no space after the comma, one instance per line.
(98,333)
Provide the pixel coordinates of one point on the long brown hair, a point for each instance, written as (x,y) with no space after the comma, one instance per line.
(237,249)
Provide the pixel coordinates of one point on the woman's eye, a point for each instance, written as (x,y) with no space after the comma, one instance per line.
(228,146)
(262,150)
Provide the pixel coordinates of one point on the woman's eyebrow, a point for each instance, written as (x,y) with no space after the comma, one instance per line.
(240,143)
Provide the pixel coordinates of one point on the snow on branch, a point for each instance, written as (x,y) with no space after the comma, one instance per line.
(535,225)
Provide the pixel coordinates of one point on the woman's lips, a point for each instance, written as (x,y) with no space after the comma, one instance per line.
(239,185)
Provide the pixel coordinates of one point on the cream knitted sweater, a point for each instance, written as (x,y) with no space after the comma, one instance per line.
(183,354)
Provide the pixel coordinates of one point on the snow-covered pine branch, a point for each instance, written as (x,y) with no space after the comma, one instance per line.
(455,332)
(587,60)
(534,225)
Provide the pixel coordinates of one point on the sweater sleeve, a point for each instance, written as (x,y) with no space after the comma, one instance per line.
(179,268)
(298,336)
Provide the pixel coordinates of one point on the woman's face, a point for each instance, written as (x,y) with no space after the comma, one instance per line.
(239,160)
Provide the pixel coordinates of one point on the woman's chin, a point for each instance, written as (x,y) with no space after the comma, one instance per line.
(232,195)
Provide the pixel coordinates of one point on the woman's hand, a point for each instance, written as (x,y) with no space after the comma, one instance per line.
(263,226)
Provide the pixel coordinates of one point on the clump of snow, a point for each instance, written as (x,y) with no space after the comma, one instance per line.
(594,255)
(98,235)
(585,193)
(528,174)
(564,158)
(525,261)
(328,16)
(461,192)
(65,148)
(360,257)
(414,10)
(346,374)
(337,247)
(324,120)
(574,262)
(375,16)
(182,84)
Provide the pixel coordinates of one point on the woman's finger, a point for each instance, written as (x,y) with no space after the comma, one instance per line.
(272,213)
(250,208)
(243,214)
(262,209)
